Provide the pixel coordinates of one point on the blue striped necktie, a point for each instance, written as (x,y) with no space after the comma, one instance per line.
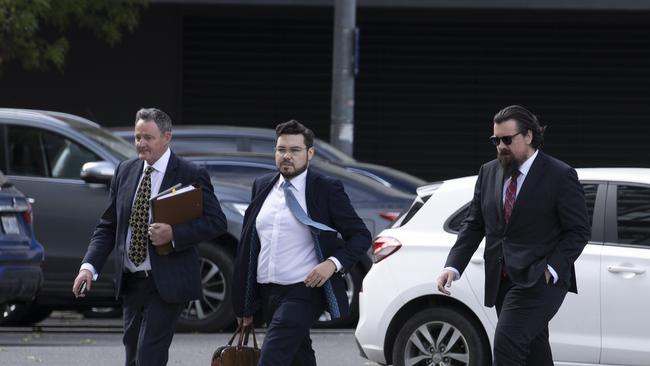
(316,227)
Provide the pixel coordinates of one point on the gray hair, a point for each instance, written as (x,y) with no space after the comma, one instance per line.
(154,114)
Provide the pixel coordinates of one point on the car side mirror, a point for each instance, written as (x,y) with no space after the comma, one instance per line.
(97,172)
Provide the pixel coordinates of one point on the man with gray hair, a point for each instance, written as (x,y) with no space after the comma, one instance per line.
(153,287)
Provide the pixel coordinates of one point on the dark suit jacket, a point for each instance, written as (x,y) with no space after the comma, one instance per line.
(176,275)
(548,225)
(327,203)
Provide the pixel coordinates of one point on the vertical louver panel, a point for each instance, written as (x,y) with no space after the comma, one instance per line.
(431,80)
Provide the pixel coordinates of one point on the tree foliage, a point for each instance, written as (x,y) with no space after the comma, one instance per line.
(33,32)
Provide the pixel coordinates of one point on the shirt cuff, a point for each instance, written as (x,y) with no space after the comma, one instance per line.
(553,273)
(456,273)
(336,263)
(90,268)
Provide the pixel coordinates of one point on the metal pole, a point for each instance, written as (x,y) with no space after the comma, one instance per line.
(343,73)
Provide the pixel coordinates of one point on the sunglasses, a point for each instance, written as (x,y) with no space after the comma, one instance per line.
(507,140)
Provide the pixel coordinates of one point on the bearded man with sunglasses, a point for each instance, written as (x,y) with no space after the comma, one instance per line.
(531,209)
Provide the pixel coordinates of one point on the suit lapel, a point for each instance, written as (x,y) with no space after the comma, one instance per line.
(169,179)
(310,193)
(131,184)
(498,191)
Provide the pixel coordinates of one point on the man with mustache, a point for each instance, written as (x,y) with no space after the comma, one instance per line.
(153,287)
(531,209)
(290,261)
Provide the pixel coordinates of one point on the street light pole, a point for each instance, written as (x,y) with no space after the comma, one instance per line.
(343,72)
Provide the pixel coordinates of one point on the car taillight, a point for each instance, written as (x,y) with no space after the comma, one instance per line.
(389,215)
(383,247)
(28,215)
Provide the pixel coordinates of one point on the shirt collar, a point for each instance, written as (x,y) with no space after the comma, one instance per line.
(298,182)
(525,167)
(161,164)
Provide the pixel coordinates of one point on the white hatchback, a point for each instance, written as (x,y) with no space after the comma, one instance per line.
(404,320)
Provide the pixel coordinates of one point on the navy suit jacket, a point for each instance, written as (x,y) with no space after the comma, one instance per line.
(328,204)
(548,225)
(176,275)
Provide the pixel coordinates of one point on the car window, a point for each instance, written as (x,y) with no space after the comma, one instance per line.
(262,145)
(34,152)
(590,198)
(237,174)
(183,145)
(454,223)
(633,215)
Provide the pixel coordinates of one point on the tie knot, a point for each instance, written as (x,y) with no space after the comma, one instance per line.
(515,174)
(149,170)
(285,184)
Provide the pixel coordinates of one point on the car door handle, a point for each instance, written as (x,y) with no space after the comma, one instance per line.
(477,260)
(621,269)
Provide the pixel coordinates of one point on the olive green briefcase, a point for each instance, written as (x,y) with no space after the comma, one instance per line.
(241,354)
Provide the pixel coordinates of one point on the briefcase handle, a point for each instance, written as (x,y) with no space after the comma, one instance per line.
(244,332)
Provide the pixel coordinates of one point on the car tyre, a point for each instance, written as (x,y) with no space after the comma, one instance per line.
(16,314)
(213,311)
(440,336)
(353,281)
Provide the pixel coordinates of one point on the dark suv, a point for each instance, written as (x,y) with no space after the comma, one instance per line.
(65,163)
(20,254)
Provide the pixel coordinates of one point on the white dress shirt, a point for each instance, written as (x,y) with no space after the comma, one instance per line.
(524,168)
(287,253)
(159,169)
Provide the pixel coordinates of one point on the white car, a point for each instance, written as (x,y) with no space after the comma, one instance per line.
(404,320)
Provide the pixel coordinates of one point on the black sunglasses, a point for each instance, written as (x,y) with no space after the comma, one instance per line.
(507,140)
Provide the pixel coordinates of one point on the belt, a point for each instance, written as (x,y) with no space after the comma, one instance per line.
(138,274)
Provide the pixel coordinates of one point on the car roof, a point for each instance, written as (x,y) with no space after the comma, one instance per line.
(625,175)
(50,117)
(209,129)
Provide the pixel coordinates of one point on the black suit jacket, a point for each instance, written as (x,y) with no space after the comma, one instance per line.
(327,203)
(176,275)
(548,225)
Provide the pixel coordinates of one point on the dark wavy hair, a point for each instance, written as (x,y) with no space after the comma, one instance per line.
(525,119)
(294,127)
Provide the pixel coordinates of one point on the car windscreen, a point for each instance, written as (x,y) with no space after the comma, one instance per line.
(117,146)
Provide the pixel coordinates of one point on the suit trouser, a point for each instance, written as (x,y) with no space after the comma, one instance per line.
(289,312)
(149,322)
(521,336)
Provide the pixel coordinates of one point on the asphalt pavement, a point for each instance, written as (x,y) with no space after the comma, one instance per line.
(66,339)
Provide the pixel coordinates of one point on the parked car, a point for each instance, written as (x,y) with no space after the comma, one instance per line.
(65,163)
(375,204)
(405,321)
(216,139)
(20,254)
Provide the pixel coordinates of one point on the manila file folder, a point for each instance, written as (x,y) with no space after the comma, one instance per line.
(177,207)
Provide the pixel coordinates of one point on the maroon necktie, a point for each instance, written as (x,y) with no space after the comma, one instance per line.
(511,196)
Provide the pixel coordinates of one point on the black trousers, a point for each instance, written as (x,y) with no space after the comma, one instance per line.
(521,336)
(289,312)
(149,322)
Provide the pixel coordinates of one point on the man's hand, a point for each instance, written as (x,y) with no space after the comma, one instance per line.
(247,320)
(84,275)
(548,276)
(320,274)
(160,233)
(444,281)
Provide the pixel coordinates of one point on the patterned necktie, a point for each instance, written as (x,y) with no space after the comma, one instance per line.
(139,220)
(511,196)
(316,227)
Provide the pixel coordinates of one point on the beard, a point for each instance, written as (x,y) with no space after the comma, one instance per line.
(292,173)
(507,161)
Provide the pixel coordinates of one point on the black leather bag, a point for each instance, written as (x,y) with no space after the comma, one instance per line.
(240,354)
